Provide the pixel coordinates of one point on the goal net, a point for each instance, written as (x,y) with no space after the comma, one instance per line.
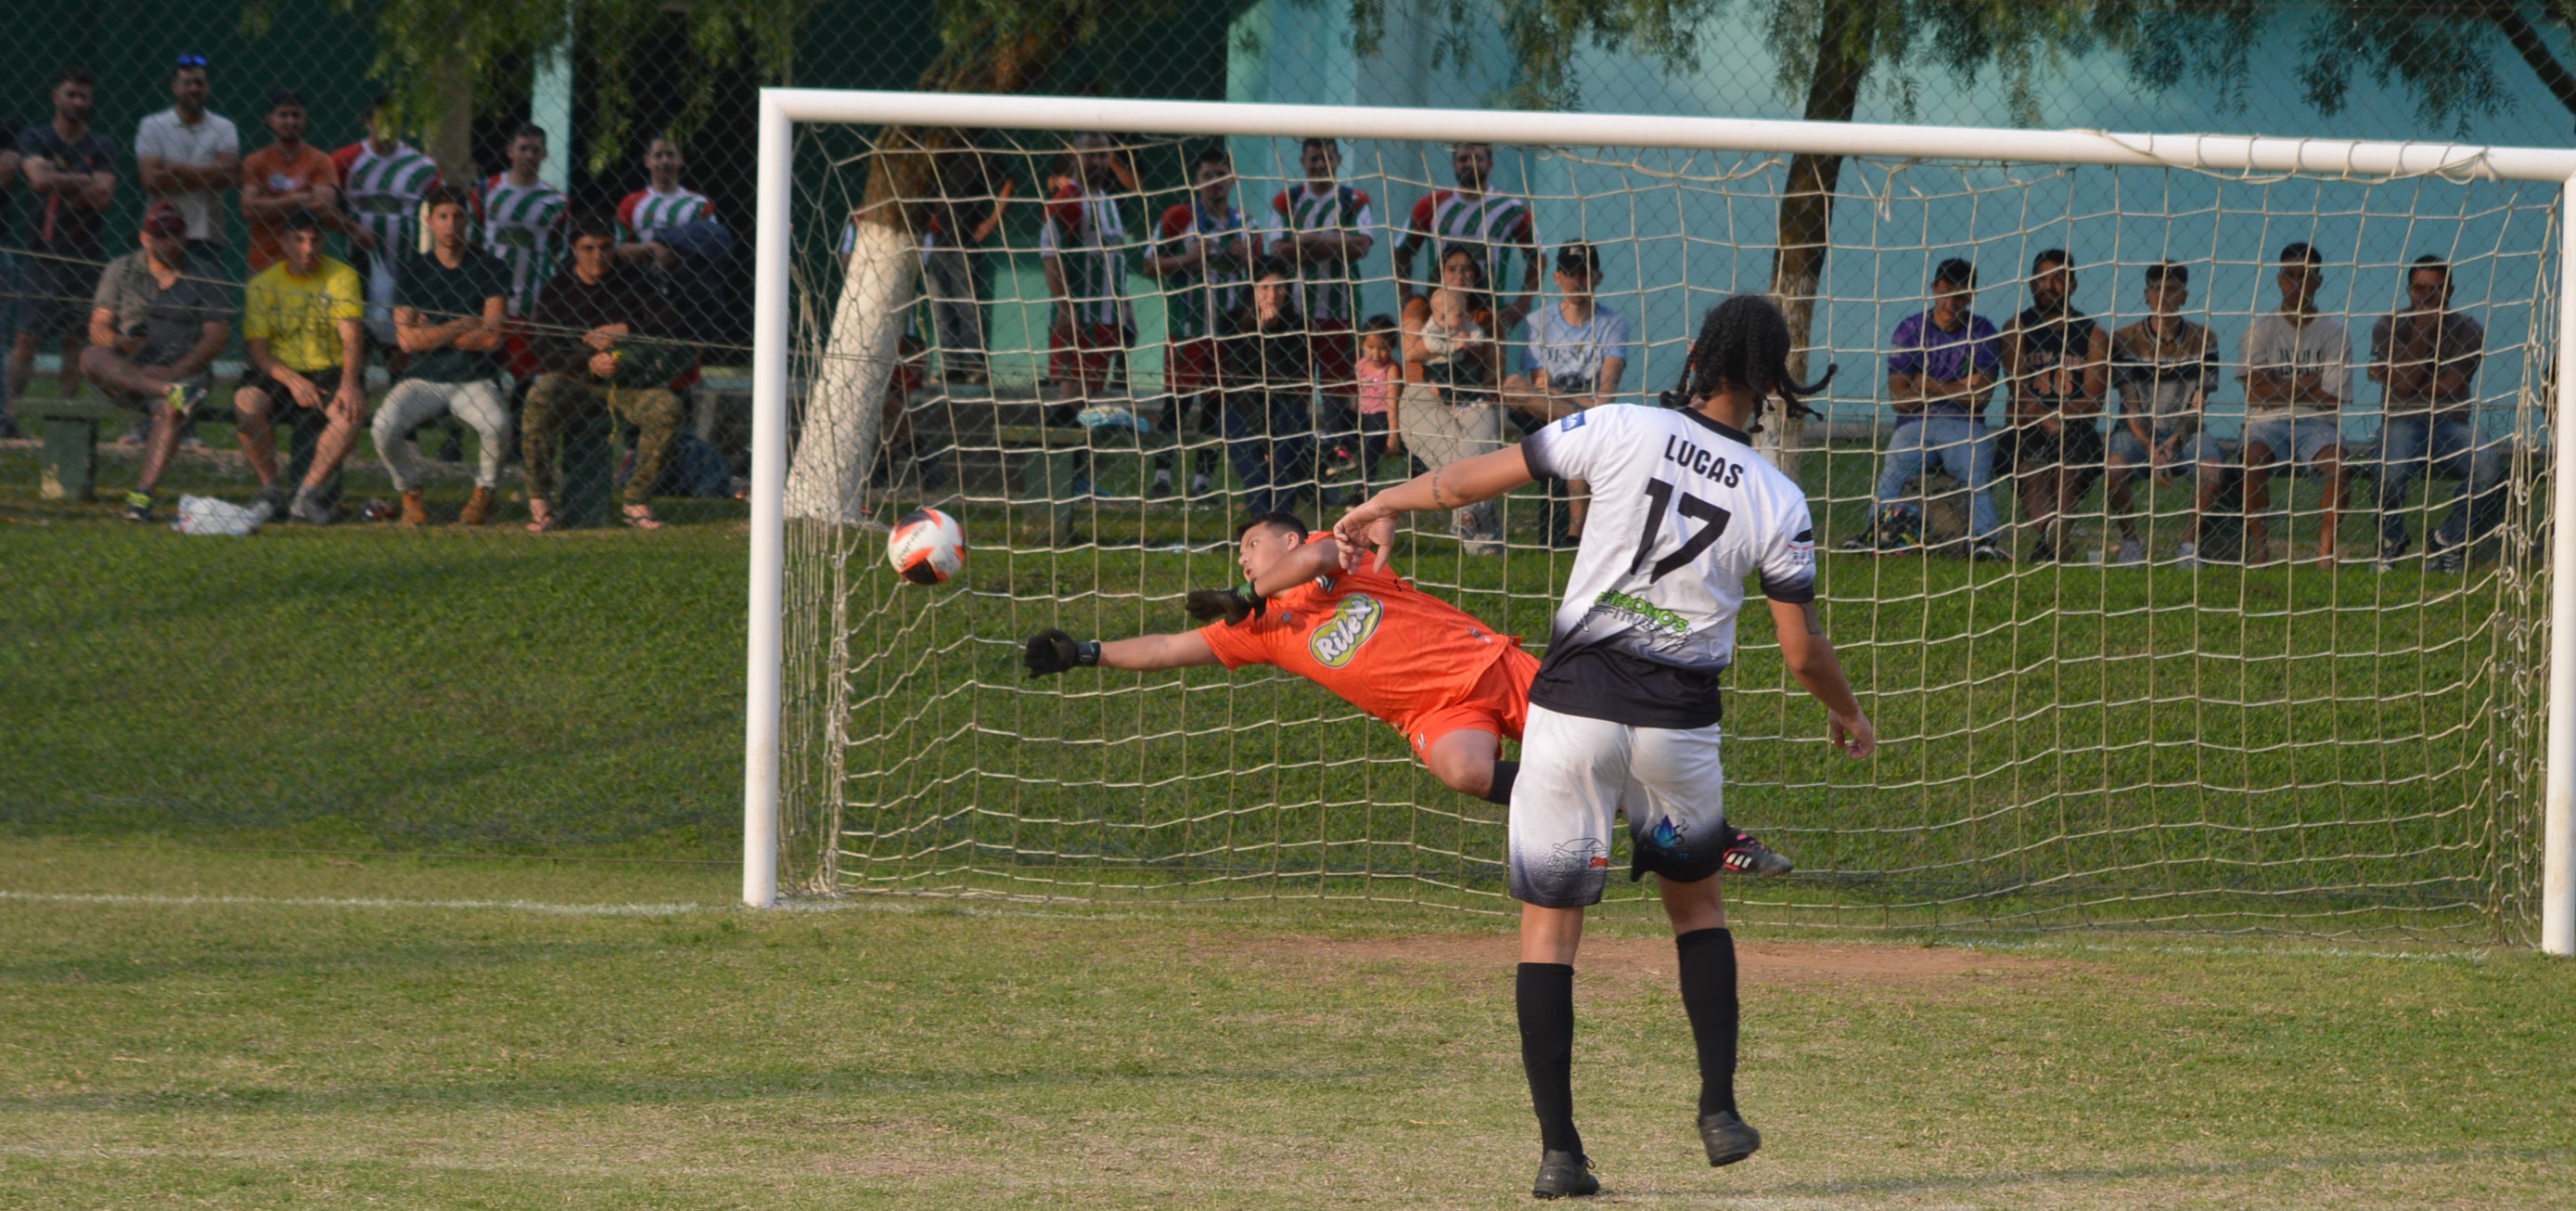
(2163,710)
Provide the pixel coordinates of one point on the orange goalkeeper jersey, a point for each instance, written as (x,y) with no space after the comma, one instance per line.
(1384,646)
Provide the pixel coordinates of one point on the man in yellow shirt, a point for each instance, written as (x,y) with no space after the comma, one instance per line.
(301,318)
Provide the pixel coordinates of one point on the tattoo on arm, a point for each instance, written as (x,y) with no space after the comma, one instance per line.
(1437,500)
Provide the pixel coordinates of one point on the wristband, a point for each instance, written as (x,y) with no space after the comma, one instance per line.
(1086,652)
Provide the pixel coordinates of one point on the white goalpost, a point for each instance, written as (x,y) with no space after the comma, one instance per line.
(2322,749)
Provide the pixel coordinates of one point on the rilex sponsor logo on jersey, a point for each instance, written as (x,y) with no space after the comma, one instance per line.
(1339,639)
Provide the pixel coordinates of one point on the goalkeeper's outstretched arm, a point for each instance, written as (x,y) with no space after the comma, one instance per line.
(1371,526)
(1053,651)
(1811,659)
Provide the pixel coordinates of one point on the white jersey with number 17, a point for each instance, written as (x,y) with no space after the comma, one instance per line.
(1683,512)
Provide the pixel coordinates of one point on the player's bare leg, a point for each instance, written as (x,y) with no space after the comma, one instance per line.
(1544,996)
(1707,958)
(1464,761)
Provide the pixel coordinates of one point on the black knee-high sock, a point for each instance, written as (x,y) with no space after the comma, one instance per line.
(1708,996)
(1545,993)
(1505,773)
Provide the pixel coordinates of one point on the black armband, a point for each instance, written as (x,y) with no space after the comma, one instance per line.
(1086,652)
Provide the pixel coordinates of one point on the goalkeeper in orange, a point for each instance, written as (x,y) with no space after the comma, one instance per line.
(1454,686)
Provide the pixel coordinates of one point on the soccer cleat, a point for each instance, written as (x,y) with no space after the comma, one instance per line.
(1747,855)
(138,506)
(1728,1137)
(1567,1175)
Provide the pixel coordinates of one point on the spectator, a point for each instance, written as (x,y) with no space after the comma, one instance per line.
(1446,410)
(662,207)
(1202,252)
(2056,360)
(449,306)
(10,128)
(522,216)
(1944,365)
(974,190)
(383,180)
(301,318)
(188,156)
(2426,359)
(2298,364)
(1380,375)
(154,330)
(1495,225)
(604,345)
(1577,352)
(1083,248)
(2164,367)
(1269,418)
(71,178)
(286,177)
(1321,228)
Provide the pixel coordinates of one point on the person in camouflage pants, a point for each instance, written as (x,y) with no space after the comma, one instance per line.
(605,344)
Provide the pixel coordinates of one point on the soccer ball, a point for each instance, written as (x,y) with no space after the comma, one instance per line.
(927,546)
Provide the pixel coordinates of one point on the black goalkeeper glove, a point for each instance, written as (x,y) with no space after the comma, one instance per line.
(1228,605)
(1053,651)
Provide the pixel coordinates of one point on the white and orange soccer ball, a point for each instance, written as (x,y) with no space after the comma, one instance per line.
(927,547)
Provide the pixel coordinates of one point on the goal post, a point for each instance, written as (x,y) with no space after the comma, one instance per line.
(825,485)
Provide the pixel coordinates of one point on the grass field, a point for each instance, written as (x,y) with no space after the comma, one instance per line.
(183,1028)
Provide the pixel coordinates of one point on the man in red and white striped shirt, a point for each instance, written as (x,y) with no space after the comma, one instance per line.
(1494,225)
(1084,249)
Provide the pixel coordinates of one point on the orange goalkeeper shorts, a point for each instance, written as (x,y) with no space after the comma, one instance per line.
(1498,705)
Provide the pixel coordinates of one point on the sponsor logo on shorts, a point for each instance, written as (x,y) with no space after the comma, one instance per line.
(1340,638)
(1577,858)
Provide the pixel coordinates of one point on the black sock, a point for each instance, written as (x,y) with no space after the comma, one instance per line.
(1505,772)
(1708,996)
(1545,994)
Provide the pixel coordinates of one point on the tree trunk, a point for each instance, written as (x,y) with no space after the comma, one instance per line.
(451,118)
(1807,206)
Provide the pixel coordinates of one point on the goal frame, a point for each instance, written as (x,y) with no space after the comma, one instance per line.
(781,108)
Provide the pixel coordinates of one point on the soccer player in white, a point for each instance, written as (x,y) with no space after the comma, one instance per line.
(1624,711)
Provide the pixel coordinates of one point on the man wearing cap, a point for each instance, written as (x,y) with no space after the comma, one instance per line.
(1577,352)
(300,319)
(284,177)
(189,155)
(154,329)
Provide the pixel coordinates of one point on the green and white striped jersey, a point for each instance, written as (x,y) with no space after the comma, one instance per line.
(646,213)
(522,225)
(384,190)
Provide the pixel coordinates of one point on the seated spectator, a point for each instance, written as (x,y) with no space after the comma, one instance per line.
(2164,367)
(1943,367)
(1446,410)
(1269,387)
(450,305)
(2298,363)
(300,318)
(153,332)
(2054,359)
(1577,352)
(604,344)
(2426,357)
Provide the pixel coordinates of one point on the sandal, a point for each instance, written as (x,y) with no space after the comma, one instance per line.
(640,516)
(541,516)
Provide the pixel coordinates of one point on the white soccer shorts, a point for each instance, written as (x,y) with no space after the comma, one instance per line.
(1578,773)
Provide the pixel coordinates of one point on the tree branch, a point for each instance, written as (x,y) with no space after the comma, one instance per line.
(2535,51)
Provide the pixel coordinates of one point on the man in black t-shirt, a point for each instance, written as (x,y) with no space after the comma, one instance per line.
(10,127)
(449,304)
(71,177)
(2056,365)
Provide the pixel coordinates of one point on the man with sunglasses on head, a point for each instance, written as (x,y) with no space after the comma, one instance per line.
(189,155)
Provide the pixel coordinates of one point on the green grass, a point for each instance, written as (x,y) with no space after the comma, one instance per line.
(182,1028)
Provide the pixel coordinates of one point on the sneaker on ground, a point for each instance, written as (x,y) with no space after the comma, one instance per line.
(1989,551)
(1481,548)
(2448,557)
(1565,1175)
(272,499)
(308,508)
(1199,485)
(1747,855)
(138,506)
(2131,552)
(2041,553)
(478,507)
(2186,555)
(1161,488)
(1728,1137)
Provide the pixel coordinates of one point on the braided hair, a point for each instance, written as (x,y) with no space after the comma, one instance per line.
(1744,341)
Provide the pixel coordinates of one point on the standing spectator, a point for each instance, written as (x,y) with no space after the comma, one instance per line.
(188,155)
(1577,352)
(1380,375)
(1495,225)
(2056,360)
(449,307)
(522,216)
(301,319)
(10,128)
(1202,252)
(2426,357)
(2298,366)
(1269,418)
(286,177)
(383,179)
(1083,246)
(71,178)
(1939,375)
(154,329)
(2164,367)
(662,207)
(974,191)
(1322,229)
(1446,410)
(604,344)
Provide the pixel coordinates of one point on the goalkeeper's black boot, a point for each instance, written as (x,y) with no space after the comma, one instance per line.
(1728,1136)
(1564,1175)
(1747,856)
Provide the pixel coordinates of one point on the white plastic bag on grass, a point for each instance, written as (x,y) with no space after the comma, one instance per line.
(207,515)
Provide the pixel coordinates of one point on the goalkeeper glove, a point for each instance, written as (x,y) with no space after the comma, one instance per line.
(1230,605)
(1053,651)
